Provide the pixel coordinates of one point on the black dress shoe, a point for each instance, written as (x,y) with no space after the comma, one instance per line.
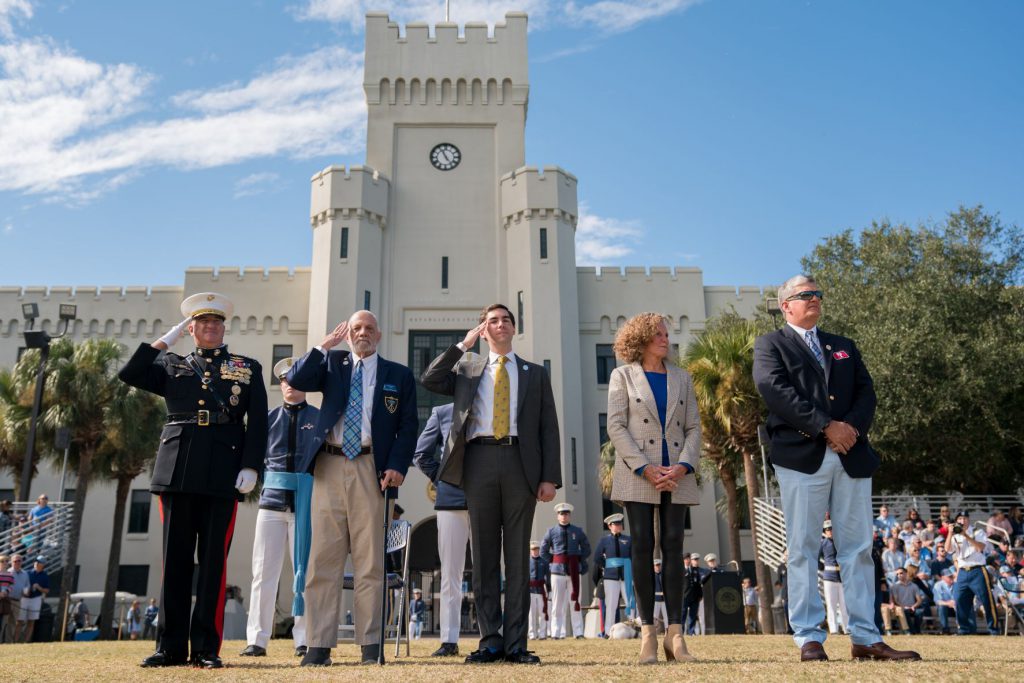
(300,651)
(253,651)
(447,650)
(207,660)
(522,657)
(164,658)
(370,654)
(316,656)
(485,656)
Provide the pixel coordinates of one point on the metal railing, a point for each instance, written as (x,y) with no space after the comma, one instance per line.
(771,522)
(46,537)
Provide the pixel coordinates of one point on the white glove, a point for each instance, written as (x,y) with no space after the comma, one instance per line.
(175,333)
(246,480)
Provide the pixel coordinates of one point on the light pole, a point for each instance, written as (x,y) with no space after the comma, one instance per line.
(771,305)
(39,339)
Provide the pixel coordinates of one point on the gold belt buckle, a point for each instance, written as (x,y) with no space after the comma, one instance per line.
(204,418)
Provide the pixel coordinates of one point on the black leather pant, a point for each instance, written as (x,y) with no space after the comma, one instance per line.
(672,521)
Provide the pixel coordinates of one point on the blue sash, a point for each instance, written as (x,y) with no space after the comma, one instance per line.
(302,485)
(626,566)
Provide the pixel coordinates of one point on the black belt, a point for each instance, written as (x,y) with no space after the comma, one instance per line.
(202,418)
(331,449)
(491,441)
(276,508)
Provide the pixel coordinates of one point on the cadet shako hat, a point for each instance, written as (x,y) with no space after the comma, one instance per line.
(282,367)
(207,303)
(563,507)
(614,519)
(534,544)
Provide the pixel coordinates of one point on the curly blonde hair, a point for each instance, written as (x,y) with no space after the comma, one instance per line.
(633,337)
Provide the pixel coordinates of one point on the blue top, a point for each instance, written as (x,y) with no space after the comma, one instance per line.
(659,387)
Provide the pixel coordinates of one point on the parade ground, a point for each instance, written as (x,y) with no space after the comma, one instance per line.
(721,658)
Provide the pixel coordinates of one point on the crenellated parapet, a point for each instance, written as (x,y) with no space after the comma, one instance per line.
(528,193)
(445,66)
(357,192)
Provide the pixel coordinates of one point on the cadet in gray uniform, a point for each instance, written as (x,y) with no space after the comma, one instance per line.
(566,549)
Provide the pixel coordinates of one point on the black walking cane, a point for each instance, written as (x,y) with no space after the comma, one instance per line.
(384,583)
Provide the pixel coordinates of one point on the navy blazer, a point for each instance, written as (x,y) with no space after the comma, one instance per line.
(431,441)
(393,424)
(803,397)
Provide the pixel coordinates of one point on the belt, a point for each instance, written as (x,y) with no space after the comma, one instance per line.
(201,418)
(276,508)
(968,568)
(331,449)
(491,441)
(833,568)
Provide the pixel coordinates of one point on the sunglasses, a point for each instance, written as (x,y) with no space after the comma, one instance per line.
(807,295)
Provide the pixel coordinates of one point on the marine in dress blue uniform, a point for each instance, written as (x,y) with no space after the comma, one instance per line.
(617,545)
(290,433)
(567,550)
(210,451)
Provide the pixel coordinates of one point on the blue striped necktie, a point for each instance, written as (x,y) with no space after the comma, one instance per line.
(815,349)
(352,430)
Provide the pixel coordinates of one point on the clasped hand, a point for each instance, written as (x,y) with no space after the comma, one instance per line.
(664,478)
(841,436)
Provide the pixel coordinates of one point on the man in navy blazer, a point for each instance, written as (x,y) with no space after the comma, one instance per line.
(362,446)
(821,402)
(452,526)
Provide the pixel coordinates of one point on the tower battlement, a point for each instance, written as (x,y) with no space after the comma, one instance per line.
(529,190)
(358,189)
(445,67)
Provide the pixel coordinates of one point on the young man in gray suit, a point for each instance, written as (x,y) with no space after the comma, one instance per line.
(504,451)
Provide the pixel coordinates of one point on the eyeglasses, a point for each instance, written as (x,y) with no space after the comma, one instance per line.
(807,295)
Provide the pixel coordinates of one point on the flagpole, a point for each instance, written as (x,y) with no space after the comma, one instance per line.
(447,6)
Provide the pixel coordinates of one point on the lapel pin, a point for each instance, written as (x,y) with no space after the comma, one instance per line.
(828,347)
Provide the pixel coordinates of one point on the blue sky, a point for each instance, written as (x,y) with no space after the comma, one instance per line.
(140,138)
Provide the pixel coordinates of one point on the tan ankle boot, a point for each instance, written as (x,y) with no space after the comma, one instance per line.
(675,646)
(649,644)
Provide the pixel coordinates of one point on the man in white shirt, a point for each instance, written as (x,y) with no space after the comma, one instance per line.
(967,546)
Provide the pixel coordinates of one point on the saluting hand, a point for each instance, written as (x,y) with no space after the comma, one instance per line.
(337,335)
(173,335)
(473,335)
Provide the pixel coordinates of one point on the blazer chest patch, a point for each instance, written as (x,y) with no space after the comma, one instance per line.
(391,403)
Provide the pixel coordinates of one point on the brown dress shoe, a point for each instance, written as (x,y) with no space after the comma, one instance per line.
(812,651)
(880,650)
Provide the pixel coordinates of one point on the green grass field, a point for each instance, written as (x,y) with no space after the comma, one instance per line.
(721,658)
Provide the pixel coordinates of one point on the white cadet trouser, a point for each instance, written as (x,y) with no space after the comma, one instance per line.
(538,625)
(612,591)
(700,618)
(452,537)
(274,529)
(660,611)
(834,600)
(561,589)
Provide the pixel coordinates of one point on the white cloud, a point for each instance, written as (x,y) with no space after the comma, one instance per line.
(64,119)
(601,240)
(614,16)
(9,10)
(255,184)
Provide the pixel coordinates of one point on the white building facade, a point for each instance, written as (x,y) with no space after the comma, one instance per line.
(443,219)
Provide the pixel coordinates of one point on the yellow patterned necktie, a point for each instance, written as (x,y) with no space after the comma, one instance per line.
(501,400)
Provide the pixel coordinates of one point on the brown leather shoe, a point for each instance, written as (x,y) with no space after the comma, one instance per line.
(812,651)
(880,650)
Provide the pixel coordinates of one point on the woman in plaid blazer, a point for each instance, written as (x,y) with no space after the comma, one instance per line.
(655,427)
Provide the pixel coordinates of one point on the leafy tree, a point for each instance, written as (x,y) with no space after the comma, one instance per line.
(720,360)
(15,413)
(134,419)
(937,312)
(606,469)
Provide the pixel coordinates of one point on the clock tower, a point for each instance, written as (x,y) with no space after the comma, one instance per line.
(445,218)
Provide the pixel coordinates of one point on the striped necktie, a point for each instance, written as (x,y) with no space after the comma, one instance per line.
(812,343)
(501,400)
(352,430)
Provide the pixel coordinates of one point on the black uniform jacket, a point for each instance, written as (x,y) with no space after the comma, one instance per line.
(204,459)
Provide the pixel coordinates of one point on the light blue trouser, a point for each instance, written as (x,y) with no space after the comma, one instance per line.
(805,499)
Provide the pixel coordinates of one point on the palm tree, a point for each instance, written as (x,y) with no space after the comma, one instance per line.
(15,413)
(606,469)
(721,360)
(134,419)
(79,394)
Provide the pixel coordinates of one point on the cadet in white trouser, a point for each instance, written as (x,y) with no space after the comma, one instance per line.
(660,611)
(452,537)
(566,549)
(834,598)
(561,588)
(275,533)
(539,583)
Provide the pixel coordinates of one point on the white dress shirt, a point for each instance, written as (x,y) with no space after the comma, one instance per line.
(369,385)
(964,552)
(481,417)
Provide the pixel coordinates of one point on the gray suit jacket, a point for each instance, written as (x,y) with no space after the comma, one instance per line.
(455,373)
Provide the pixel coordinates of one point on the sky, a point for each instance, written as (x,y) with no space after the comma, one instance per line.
(138,139)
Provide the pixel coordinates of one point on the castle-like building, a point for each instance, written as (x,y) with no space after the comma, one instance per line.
(444,218)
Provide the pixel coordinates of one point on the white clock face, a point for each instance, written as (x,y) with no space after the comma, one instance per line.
(445,156)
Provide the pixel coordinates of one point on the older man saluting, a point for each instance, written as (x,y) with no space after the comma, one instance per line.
(821,402)
(362,446)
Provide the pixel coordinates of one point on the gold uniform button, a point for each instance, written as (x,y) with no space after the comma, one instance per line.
(831,397)
(202,402)
(207,374)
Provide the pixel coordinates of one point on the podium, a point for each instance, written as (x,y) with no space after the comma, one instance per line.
(723,604)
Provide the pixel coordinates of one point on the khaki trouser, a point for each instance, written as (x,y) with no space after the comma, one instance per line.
(347,511)
(887,612)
